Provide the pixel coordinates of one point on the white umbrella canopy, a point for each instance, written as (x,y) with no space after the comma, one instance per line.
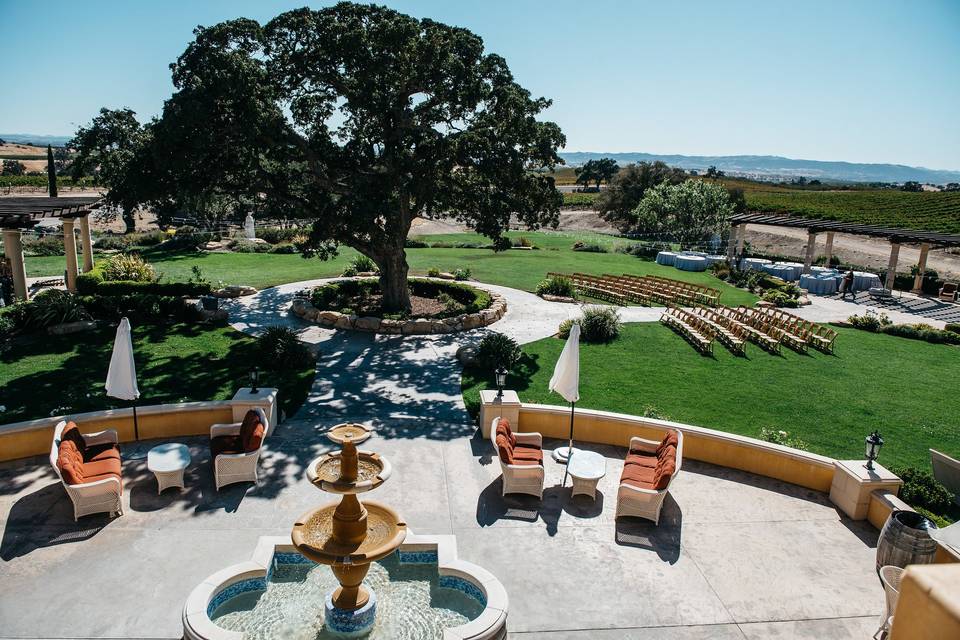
(566,382)
(122,375)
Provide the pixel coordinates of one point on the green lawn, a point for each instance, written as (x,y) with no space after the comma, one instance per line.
(53,375)
(513,268)
(904,388)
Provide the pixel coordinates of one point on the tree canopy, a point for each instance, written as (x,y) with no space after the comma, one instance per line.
(596,171)
(624,192)
(690,212)
(359,118)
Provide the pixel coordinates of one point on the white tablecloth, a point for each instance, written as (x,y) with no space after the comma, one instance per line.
(820,284)
(666,257)
(690,263)
(863,280)
(712,259)
(754,263)
(786,272)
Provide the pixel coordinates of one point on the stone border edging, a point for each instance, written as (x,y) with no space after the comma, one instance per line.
(304,309)
(490,624)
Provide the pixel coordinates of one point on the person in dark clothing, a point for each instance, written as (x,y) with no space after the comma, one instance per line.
(848,285)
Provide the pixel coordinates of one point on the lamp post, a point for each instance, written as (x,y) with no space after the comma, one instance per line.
(254,379)
(872,444)
(501,375)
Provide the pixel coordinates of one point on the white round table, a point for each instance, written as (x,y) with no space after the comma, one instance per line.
(690,263)
(666,258)
(168,462)
(586,468)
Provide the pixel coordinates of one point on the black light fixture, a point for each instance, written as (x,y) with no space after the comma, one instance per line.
(254,379)
(872,443)
(501,374)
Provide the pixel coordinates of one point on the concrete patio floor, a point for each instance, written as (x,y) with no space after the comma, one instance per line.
(734,556)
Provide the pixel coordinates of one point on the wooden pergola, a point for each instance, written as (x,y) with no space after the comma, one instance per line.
(18,214)
(815,226)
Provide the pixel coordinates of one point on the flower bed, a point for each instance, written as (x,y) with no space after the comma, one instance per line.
(438,307)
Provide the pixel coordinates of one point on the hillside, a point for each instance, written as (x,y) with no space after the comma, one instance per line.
(779,167)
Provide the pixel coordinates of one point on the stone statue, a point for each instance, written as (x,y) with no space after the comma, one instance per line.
(248,230)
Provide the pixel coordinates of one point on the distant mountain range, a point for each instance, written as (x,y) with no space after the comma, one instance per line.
(37,139)
(777,167)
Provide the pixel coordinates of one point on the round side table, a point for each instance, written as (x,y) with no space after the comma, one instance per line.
(168,462)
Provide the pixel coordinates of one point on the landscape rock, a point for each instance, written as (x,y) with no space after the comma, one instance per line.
(471,321)
(67,328)
(467,355)
(367,323)
(345,322)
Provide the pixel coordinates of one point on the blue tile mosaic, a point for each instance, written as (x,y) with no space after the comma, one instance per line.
(250,584)
(465,586)
(418,557)
(351,623)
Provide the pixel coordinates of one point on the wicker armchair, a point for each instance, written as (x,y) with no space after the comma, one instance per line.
(88,466)
(648,472)
(235,448)
(521,459)
(890,577)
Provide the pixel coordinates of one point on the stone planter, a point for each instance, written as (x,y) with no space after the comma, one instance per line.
(304,309)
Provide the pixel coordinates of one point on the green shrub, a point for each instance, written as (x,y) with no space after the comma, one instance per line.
(938,520)
(55,306)
(870,321)
(921,331)
(356,295)
(128,267)
(280,349)
(187,237)
(921,490)
(433,272)
(720,270)
(87,282)
(151,238)
(563,331)
(600,324)
(116,241)
(497,350)
(349,271)
(781,437)
(415,243)
(278,235)
(643,250)
(652,411)
(781,299)
(461,274)
(127,287)
(47,245)
(953,327)
(284,248)
(522,241)
(245,246)
(589,247)
(451,306)
(556,286)
(364,264)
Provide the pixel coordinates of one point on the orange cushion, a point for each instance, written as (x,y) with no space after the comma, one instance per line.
(101,452)
(638,476)
(225,444)
(255,438)
(250,422)
(101,467)
(504,449)
(669,451)
(527,456)
(641,460)
(665,471)
(70,463)
(503,427)
(669,438)
(72,434)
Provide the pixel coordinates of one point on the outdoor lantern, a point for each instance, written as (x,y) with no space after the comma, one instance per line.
(501,374)
(873,443)
(254,379)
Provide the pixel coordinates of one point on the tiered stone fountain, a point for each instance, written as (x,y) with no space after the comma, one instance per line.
(349,535)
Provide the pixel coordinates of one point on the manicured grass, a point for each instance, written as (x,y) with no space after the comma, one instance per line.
(53,375)
(512,268)
(903,388)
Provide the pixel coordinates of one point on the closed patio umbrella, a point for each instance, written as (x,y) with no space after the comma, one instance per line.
(566,382)
(122,375)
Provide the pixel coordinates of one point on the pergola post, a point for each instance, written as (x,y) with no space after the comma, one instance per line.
(921,268)
(732,242)
(70,249)
(86,243)
(892,265)
(829,247)
(811,247)
(13,249)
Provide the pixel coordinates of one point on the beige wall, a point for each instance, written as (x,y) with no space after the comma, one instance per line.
(929,604)
(33,437)
(716,447)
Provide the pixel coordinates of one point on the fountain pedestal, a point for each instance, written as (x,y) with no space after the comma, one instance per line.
(349,535)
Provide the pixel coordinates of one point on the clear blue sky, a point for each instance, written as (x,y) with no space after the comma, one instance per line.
(871,81)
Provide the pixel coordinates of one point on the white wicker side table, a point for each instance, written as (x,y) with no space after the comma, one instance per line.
(586,468)
(168,462)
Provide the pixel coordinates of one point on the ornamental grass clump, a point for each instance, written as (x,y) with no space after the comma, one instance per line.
(598,324)
(556,286)
(129,267)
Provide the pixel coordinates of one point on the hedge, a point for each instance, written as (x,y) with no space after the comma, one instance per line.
(92,283)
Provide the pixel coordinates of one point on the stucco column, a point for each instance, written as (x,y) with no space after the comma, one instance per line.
(13,249)
(811,247)
(921,268)
(732,242)
(86,243)
(70,249)
(829,248)
(892,265)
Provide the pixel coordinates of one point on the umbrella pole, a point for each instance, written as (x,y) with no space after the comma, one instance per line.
(569,447)
(136,430)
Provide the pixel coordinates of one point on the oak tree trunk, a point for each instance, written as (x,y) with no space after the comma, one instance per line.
(393,281)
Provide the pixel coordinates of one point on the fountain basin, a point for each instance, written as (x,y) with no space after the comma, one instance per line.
(313,536)
(241,585)
(372,471)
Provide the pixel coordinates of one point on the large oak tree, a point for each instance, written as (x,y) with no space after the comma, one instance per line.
(361,119)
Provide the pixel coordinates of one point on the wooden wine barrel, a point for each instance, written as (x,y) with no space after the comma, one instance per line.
(905,539)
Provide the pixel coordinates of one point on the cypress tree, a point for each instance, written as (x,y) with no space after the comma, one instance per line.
(51,173)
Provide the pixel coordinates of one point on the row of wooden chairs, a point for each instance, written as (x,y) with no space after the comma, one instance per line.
(594,286)
(692,327)
(732,334)
(700,294)
(789,334)
(817,336)
(641,289)
(754,330)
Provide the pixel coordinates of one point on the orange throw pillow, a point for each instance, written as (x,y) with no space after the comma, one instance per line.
(255,439)
(665,471)
(504,449)
(70,463)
